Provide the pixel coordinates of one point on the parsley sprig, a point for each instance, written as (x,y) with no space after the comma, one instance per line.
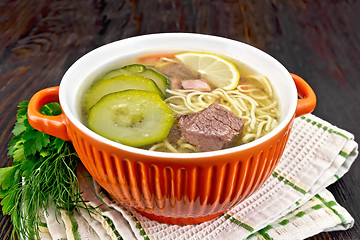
(44,172)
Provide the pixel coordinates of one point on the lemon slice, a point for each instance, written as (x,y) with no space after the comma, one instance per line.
(217,71)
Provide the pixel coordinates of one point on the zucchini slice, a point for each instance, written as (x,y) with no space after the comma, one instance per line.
(131,117)
(118,83)
(161,81)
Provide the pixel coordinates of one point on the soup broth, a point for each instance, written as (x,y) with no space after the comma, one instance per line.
(205,114)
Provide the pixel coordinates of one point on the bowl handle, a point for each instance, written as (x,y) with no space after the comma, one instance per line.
(307,102)
(52,125)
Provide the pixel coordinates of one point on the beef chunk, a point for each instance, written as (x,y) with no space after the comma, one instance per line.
(174,134)
(177,71)
(210,129)
(175,83)
(196,84)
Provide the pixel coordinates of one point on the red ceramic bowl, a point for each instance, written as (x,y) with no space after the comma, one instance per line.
(174,188)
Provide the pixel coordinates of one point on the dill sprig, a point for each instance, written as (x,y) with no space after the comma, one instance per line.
(44,172)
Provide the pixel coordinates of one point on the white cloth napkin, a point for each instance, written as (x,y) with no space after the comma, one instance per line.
(292,204)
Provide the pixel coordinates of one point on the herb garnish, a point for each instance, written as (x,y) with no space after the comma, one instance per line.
(44,172)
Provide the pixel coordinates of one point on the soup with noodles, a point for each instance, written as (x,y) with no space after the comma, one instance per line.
(182,102)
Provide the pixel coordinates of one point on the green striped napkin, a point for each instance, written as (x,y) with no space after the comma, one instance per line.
(292,204)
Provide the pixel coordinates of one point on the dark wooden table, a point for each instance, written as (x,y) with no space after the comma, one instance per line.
(318,40)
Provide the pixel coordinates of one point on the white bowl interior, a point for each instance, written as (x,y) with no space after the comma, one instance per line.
(81,74)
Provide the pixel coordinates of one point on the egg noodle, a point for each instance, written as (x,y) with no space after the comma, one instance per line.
(256,106)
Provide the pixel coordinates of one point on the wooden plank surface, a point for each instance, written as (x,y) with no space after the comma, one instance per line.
(318,40)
